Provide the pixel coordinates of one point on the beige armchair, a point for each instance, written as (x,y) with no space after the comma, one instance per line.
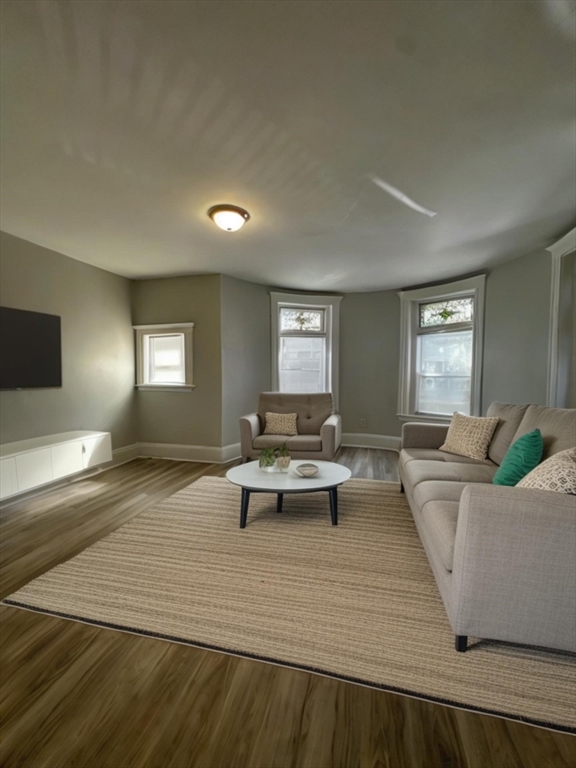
(319,428)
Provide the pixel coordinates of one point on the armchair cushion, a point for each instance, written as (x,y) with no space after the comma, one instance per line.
(295,443)
(280,424)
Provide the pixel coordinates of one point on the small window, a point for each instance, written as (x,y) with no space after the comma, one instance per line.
(164,356)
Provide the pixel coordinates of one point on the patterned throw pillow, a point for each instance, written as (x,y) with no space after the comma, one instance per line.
(281,424)
(470,435)
(558,473)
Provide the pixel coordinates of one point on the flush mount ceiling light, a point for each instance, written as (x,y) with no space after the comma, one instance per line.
(228,217)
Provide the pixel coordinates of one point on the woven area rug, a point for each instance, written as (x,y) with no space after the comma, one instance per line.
(356,601)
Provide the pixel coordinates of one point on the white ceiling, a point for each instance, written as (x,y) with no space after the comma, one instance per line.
(123,122)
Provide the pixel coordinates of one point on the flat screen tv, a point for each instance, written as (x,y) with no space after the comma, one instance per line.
(30,350)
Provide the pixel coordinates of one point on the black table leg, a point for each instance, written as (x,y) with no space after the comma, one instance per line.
(279,502)
(244,507)
(333,492)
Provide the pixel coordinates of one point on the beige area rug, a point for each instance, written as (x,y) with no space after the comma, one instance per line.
(357,601)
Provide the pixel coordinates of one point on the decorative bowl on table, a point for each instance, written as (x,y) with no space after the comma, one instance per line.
(307,470)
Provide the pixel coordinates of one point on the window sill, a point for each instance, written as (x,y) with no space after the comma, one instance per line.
(165,387)
(424,418)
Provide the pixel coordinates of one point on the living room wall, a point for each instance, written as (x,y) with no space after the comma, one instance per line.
(184,418)
(246,371)
(516,330)
(369,359)
(97,390)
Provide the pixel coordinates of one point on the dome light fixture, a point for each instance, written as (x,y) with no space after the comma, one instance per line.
(228,217)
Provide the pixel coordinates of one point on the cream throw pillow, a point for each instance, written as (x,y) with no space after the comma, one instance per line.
(281,424)
(470,435)
(558,473)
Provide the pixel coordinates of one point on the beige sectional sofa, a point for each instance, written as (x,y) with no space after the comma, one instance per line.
(504,558)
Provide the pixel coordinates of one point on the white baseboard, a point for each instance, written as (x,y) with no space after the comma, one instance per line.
(231,452)
(366,440)
(208,454)
(204,454)
(123,455)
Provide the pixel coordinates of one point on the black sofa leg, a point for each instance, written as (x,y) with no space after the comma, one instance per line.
(461,641)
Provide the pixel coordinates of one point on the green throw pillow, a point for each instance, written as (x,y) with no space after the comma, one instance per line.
(521,458)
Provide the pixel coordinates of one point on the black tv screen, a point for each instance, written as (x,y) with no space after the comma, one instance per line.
(30,350)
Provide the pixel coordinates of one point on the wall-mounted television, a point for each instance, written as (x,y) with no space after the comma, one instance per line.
(30,349)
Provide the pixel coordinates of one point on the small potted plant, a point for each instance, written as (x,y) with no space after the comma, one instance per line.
(267,461)
(283,460)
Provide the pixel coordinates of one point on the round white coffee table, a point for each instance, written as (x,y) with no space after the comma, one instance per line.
(252,480)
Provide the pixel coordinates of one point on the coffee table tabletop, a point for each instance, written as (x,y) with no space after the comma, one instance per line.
(251,476)
(253,480)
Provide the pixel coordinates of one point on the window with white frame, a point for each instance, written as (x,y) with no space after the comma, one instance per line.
(164,356)
(305,343)
(441,349)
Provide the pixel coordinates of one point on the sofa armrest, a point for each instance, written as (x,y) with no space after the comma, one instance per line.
(331,434)
(514,574)
(417,435)
(249,430)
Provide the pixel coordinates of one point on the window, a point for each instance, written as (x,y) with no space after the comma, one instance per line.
(441,350)
(164,356)
(305,343)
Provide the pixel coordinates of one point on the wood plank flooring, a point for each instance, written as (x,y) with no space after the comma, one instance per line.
(76,695)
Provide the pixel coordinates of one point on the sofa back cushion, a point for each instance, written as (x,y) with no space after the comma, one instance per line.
(312,409)
(558,427)
(509,417)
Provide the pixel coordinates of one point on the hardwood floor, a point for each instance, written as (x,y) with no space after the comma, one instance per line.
(76,695)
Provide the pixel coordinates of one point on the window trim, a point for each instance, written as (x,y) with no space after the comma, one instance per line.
(331,307)
(558,250)
(163,330)
(409,319)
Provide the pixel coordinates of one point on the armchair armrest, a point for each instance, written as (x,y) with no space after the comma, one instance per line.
(331,434)
(249,430)
(417,435)
(514,574)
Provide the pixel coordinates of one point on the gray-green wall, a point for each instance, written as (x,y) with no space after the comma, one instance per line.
(97,390)
(232,349)
(246,369)
(184,418)
(369,360)
(517,319)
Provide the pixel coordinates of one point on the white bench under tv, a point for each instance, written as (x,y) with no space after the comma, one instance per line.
(29,464)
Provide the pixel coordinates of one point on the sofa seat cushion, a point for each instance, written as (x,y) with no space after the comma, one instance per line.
(437,490)
(433,454)
(296,443)
(419,471)
(439,519)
